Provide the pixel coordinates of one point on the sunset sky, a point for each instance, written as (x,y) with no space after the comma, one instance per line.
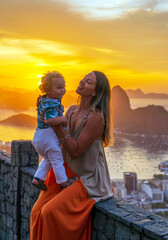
(126,39)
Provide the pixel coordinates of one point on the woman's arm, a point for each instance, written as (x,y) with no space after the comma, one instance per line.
(92,130)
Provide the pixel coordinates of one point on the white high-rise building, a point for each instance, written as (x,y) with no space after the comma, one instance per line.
(164,185)
(153,191)
(119,189)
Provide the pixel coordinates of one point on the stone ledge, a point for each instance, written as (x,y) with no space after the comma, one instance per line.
(30,171)
(5,157)
(112,218)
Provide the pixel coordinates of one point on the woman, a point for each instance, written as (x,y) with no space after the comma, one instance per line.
(65,214)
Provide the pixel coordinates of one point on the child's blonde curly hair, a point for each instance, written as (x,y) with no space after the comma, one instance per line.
(46,81)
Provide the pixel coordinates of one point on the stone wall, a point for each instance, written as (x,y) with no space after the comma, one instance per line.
(17,196)
(111,219)
(117,220)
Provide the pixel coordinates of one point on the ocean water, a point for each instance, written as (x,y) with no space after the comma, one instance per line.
(9,133)
(123,156)
(126,156)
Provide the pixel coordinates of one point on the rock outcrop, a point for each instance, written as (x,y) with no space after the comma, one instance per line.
(20,120)
(145,120)
(138,93)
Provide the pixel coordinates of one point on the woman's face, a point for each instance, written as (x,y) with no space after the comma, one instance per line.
(87,85)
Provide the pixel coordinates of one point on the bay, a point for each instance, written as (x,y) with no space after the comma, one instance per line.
(9,133)
(126,156)
(122,157)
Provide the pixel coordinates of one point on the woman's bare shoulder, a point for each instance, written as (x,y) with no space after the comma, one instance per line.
(72,108)
(96,117)
(94,124)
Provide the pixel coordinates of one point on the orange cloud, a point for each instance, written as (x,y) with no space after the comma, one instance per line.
(39,36)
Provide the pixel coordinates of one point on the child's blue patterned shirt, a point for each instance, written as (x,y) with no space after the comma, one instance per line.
(50,108)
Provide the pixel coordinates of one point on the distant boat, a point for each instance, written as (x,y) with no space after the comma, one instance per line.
(163,166)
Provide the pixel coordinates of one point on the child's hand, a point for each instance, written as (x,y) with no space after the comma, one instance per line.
(38,100)
(42,116)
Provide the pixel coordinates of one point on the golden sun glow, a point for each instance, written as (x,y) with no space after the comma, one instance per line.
(130,49)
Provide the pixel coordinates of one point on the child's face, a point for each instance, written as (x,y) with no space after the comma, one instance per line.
(57,89)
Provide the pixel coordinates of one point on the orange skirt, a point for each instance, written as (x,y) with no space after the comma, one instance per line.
(62,214)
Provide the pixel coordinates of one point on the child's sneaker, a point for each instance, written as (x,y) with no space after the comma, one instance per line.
(69,182)
(66,184)
(37,182)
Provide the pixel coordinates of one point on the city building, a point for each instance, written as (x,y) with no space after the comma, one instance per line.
(132,200)
(164,185)
(8,144)
(147,205)
(130,182)
(164,188)
(139,185)
(120,190)
(153,191)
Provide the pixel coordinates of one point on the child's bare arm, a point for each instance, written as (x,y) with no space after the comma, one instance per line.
(56,121)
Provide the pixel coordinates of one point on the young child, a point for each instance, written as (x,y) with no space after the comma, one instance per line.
(45,139)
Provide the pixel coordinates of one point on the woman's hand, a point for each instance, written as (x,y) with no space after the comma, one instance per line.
(64,120)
